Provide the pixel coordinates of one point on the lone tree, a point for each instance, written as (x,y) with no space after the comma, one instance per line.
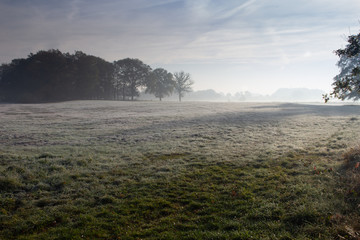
(160,83)
(183,83)
(347,82)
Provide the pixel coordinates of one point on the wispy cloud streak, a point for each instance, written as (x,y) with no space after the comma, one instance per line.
(276,33)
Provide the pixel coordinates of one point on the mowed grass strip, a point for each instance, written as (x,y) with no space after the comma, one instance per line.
(297,196)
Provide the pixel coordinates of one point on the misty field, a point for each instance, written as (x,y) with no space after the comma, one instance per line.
(168,170)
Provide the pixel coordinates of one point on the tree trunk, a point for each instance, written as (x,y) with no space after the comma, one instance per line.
(132,93)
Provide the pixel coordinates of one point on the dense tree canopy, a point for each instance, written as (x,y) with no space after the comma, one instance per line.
(30,80)
(55,76)
(347,83)
(129,75)
(160,83)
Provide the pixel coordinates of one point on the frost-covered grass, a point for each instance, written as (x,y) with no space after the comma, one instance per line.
(168,170)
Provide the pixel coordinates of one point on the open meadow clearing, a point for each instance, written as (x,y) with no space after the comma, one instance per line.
(168,170)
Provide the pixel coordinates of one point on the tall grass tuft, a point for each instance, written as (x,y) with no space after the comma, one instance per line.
(352,156)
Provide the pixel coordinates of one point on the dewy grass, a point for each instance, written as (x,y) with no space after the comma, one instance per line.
(224,200)
(142,170)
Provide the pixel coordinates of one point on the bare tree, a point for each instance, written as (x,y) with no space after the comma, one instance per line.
(183,83)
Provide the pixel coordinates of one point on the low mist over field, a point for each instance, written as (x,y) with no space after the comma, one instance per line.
(280,95)
(80,124)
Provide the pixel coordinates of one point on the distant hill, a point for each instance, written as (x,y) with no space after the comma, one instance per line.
(205,95)
(297,95)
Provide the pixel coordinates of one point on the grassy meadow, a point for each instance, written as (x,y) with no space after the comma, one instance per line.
(168,170)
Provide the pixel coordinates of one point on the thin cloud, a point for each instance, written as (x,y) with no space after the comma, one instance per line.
(266,34)
(74,10)
(240,9)
(204,26)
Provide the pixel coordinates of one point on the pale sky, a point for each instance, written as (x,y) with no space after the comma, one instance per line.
(228,45)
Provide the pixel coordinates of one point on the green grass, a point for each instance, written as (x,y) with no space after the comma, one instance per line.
(198,174)
(282,198)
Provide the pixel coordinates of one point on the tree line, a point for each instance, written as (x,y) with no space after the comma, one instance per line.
(55,76)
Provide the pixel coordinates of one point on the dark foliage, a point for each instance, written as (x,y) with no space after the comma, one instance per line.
(51,76)
(347,83)
(55,76)
(129,75)
(160,83)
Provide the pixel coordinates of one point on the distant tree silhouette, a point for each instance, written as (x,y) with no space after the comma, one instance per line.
(160,83)
(104,87)
(129,75)
(54,76)
(87,75)
(347,82)
(39,78)
(183,83)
